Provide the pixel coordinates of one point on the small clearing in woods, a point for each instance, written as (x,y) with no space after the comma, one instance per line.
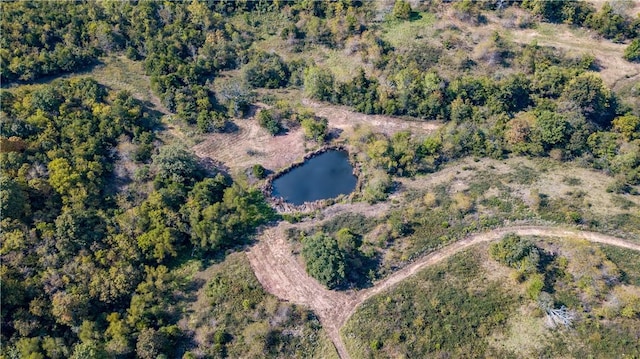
(615,71)
(631,8)
(613,67)
(252,144)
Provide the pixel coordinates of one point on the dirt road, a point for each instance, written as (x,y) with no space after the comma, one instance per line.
(281,274)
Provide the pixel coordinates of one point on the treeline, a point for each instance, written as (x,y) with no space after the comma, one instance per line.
(88,250)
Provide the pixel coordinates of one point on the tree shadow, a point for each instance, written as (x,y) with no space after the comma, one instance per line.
(250,112)
(230,127)
(414,16)
(361,270)
(334,133)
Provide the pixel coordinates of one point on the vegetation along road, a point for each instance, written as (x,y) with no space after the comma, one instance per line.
(283,275)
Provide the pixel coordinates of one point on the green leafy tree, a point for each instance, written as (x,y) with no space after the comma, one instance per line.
(258,171)
(603,144)
(628,126)
(209,191)
(13,199)
(347,240)
(516,252)
(318,83)
(151,343)
(211,121)
(590,95)
(315,129)
(267,120)
(267,70)
(553,129)
(160,228)
(324,260)
(225,223)
(173,163)
(406,153)
(610,24)
(150,304)
(88,350)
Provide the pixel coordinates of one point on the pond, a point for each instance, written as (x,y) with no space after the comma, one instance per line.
(324,176)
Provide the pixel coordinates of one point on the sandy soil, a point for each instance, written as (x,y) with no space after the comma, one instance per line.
(283,275)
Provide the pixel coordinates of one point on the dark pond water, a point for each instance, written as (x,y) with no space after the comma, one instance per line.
(327,175)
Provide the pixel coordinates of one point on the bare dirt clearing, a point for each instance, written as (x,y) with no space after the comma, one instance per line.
(281,274)
(251,144)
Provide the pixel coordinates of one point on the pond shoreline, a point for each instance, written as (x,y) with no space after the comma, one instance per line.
(282,206)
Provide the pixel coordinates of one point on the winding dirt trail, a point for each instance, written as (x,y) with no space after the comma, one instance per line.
(282,275)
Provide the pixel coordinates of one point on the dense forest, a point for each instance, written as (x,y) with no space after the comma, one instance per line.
(98,212)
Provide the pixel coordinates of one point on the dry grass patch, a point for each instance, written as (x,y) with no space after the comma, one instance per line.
(526,334)
(343,118)
(551,178)
(121,73)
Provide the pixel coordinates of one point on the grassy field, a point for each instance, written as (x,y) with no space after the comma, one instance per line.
(444,310)
(471,306)
(470,196)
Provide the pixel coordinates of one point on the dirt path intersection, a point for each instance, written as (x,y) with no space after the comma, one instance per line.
(283,275)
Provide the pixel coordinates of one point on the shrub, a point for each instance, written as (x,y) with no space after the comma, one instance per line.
(258,171)
(535,286)
(516,252)
(632,52)
(375,345)
(268,121)
(315,129)
(318,83)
